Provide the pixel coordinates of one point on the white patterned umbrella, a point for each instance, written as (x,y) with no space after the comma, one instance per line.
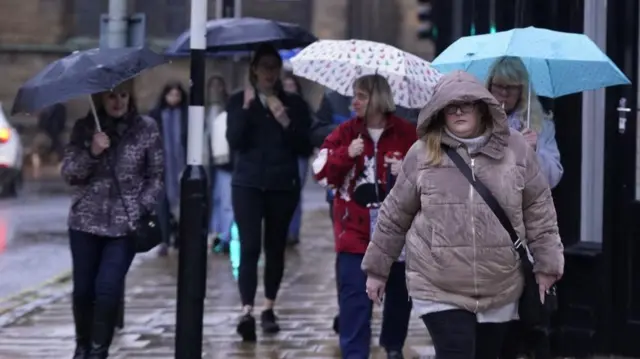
(336,64)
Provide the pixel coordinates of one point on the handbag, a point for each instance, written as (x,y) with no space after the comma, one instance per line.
(530,310)
(148,233)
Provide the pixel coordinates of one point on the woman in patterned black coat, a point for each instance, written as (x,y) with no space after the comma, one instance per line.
(117,175)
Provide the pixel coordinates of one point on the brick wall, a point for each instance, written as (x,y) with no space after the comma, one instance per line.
(34,21)
(294,11)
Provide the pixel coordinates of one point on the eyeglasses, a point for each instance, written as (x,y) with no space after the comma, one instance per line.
(114,95)
(509,89)
(465,107)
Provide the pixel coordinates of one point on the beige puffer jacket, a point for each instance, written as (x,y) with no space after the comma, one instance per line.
(457,252)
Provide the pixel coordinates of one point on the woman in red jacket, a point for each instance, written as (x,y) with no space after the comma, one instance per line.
(358,160)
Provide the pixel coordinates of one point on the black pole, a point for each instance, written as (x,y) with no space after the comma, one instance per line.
(192,266)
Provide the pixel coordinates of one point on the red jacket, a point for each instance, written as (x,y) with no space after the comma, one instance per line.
(353,178)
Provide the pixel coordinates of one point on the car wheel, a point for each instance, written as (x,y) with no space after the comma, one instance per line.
(12,189)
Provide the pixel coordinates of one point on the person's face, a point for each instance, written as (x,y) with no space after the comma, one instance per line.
(360,102)
(506,92)
(267,71)
(173,97)
(217,88)
(289,85)
(116,103)
(463,119)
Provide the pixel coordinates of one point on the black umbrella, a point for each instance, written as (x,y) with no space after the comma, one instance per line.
(83,73)
(244,34)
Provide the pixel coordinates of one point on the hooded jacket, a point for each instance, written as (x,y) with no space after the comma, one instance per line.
(457,252)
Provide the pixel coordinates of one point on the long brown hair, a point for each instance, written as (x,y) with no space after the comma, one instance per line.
(262,51)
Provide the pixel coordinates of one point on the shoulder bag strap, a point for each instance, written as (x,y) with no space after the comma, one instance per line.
(488,197)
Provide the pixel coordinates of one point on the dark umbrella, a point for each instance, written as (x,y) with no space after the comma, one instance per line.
(244,34)
(83,73)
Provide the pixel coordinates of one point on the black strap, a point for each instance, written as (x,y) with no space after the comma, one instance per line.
(488,197)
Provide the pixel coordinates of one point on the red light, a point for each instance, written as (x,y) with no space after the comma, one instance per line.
(5,134)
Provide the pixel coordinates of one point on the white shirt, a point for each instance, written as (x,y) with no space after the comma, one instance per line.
(375,134)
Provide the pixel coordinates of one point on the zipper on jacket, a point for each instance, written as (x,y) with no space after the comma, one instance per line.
(473,231)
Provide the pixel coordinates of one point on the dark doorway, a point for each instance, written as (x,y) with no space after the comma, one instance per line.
(622,190)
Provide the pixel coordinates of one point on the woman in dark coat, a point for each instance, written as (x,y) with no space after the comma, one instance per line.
(267,129)
(117,176)
(171,115)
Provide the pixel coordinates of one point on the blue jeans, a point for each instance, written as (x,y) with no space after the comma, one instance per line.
(100,265)
(296,221)
(222,211)
(355,308)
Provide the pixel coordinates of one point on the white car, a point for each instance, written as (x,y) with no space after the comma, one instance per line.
(11,158)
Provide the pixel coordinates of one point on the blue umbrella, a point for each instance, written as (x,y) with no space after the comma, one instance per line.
(559,63)
(244,34)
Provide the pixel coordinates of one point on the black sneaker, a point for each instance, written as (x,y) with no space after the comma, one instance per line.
(247,328)
(394,354)
(269,322)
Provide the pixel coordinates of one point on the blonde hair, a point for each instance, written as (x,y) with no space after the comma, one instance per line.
(433,135)
(380,95)
(512,70)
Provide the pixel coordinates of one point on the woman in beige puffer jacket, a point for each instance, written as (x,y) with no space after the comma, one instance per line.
(462,268)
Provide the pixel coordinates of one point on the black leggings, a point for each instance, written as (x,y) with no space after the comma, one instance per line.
(250,207)
(457,335)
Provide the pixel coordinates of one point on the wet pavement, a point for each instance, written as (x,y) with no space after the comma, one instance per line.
(306,306)
(33,242)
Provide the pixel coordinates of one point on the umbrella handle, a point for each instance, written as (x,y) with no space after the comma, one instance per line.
(95,114)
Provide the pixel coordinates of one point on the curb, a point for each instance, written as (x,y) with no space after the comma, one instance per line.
(32,299)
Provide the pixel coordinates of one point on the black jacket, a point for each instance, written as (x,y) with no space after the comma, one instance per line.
(266,154)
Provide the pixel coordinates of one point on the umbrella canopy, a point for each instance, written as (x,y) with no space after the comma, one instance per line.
(83,73)
(559,63)
(336,64)
(245,34)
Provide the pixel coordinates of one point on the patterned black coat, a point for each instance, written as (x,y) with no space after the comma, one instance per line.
(135,154)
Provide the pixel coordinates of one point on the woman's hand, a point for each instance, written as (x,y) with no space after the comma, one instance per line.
(278,110)
(375,289)
(99,143)
(531,137)
(545,281)
(249,96)
(356,147)
(394,163)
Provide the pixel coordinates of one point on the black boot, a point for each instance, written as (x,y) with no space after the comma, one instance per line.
(104,321)
(82,317)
